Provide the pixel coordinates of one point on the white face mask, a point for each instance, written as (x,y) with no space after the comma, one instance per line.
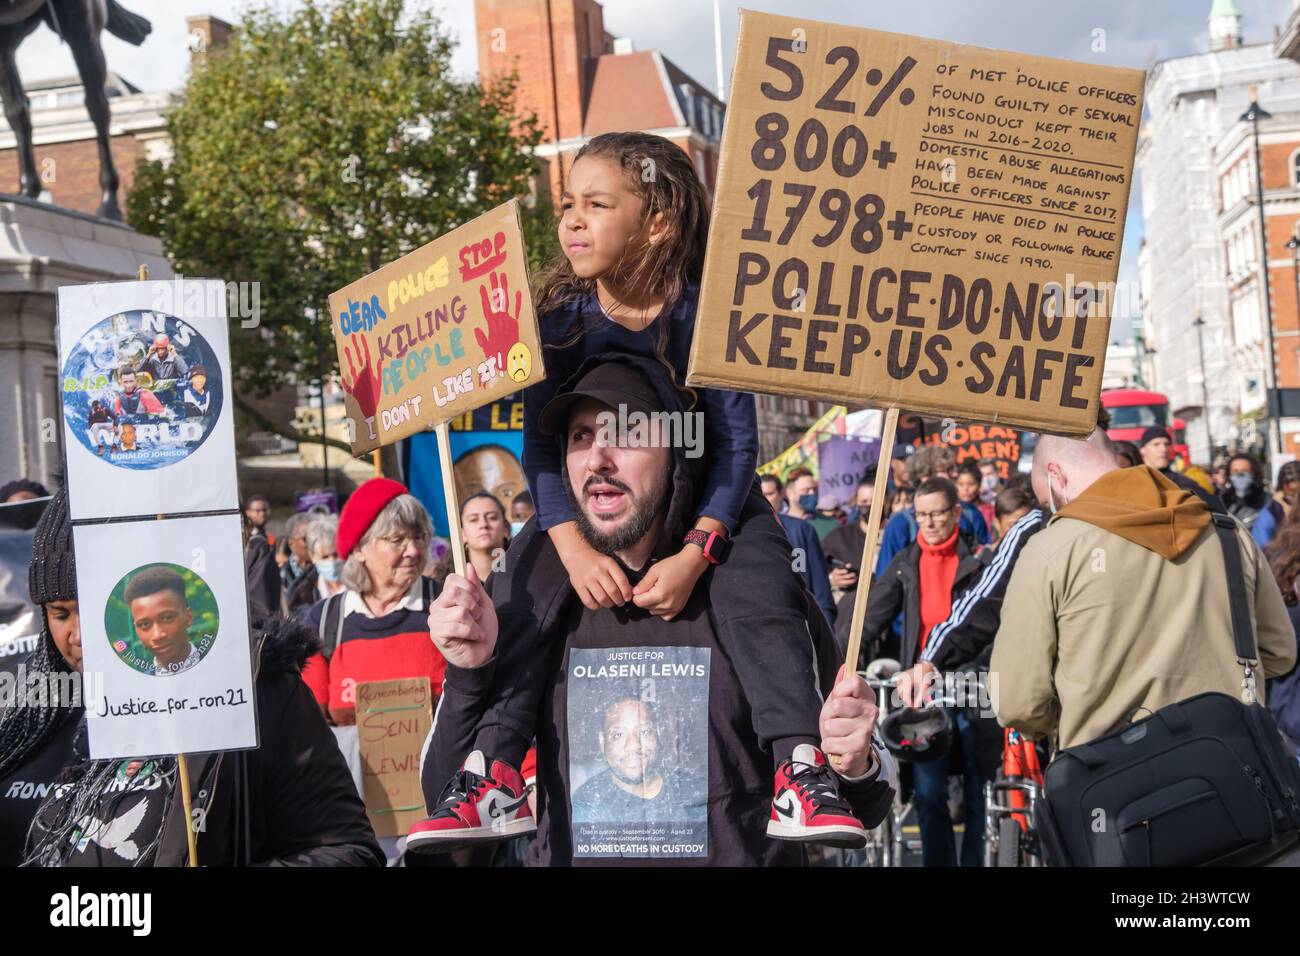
(1051,498)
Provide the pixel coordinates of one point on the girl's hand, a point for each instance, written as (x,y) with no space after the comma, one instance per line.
(667,586)
(598,578)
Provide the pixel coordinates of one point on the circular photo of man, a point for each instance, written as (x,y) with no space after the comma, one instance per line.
(141,390)
(161,619)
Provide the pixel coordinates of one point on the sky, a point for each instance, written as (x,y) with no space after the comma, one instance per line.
(1137,33)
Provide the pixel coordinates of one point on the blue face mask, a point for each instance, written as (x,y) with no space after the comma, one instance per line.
(808,502)
(330,570)
(516,527)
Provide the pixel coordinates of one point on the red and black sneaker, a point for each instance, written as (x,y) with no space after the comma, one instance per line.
(477,807)
(808,806)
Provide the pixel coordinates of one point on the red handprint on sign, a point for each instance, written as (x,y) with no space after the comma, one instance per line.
(502,327)
(362,384)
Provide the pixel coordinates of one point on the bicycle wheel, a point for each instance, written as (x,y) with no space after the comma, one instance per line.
(1009,842)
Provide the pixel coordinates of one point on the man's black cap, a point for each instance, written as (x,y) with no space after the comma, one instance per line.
(611,382)
(1152,433)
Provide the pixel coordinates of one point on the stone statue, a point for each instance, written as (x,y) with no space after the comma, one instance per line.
(79,23)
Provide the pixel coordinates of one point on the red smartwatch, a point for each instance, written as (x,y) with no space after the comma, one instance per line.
(715,546)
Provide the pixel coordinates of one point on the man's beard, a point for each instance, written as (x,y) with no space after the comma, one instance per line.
(635,527)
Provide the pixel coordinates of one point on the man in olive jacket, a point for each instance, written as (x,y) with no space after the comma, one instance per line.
(1120,605)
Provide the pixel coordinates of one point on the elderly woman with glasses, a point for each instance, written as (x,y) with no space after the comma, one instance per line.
(377,627)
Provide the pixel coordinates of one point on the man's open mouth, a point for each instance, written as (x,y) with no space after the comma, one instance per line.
(606,499)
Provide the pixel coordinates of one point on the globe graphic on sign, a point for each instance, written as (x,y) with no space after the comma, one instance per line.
(141,390)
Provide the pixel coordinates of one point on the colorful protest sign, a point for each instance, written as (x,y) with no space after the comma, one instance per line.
(323,501)
(839,421)
(803,453)
(445,329)
(904,222)
(393,720)
(167,665)
(976,442)
(841,464)
(148,421)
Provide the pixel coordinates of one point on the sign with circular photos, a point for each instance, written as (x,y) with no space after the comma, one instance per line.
(145,389)
(166,650)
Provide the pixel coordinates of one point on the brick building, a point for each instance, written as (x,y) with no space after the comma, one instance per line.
(1279,151)
(581,81)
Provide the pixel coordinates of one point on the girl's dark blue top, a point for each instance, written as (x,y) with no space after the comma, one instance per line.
(730,418)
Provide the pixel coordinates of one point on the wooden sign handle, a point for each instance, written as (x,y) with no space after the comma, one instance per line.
(449,495)
(183,771)
(871,545)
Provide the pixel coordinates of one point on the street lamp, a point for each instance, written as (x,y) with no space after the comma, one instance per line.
(320,385)
(1294,245)
(1205,389)
(1252,116)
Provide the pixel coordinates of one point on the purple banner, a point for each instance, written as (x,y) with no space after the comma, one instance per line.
(842,463)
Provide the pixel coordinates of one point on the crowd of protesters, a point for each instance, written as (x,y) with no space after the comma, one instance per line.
(656,649)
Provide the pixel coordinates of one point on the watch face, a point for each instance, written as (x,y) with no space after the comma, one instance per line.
(716,548)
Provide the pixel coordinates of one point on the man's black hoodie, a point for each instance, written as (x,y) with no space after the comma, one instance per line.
(620,672)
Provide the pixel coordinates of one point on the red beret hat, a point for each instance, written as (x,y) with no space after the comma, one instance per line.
(363,508)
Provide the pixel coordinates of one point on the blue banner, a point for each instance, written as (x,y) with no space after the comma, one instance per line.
(486,447)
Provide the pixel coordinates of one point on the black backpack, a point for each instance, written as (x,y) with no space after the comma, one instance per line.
(330,626)
(1206,780)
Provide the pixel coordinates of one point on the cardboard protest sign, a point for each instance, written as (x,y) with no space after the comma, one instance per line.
(903,222)
(148,419)
(393,719)
(164,636)
(442,330)
(841,464)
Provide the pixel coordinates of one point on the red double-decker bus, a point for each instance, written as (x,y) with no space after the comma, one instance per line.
(1133,411)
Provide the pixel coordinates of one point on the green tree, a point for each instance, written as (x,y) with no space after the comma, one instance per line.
(323,143)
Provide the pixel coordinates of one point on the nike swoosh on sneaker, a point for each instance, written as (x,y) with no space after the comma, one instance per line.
(497,808)
(787,805)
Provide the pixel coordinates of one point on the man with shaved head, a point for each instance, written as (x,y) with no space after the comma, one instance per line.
(1120,605)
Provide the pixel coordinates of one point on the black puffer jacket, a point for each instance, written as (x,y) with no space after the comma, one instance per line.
(290,802)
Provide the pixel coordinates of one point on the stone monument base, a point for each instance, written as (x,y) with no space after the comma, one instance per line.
(43,247)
